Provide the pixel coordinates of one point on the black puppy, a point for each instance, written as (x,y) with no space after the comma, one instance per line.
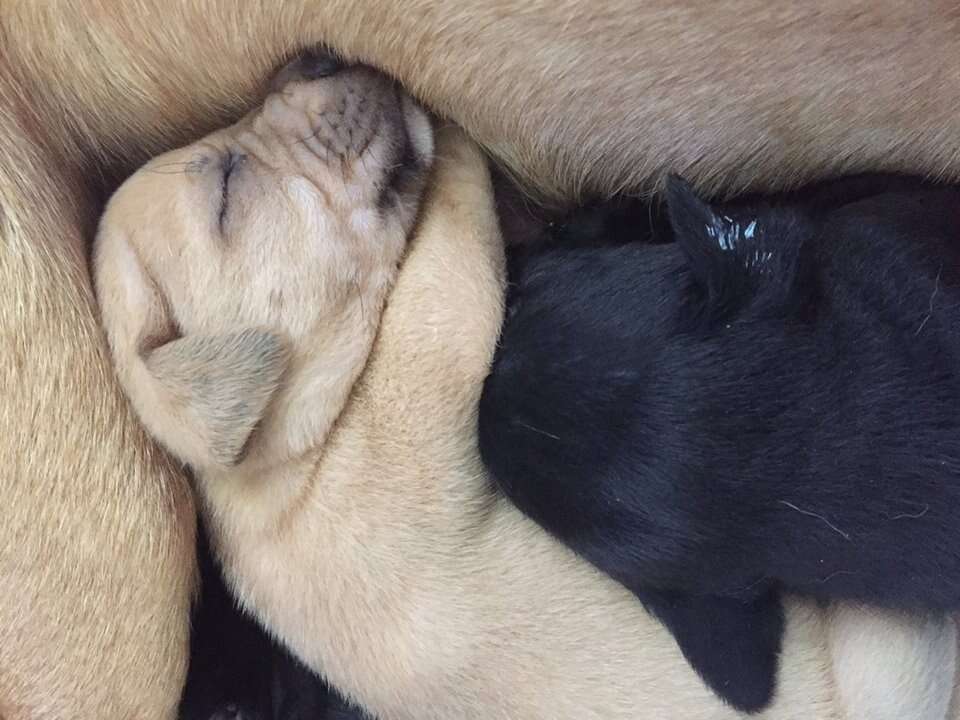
(769,400)
(238,673)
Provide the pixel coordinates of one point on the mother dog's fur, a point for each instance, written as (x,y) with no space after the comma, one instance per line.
(95,558)
(572,95)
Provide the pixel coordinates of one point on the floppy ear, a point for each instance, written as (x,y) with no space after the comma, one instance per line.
(200,395)
(732,643)
(209,392)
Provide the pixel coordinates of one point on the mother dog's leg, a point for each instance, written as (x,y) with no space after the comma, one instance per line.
(96,533)
(572,94)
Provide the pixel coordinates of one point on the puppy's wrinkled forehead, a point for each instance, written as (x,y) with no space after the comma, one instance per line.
(307,199)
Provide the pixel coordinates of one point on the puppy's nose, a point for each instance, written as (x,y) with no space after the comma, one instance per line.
(316,64)
(309,65)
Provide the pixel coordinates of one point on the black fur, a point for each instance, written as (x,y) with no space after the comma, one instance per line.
(238,673)
(710,426)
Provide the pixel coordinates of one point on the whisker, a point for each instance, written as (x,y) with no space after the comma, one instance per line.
(837,573)
(356,284)
(936,289)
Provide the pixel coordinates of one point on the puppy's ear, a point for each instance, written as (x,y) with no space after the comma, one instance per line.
(728,259)
(200,395)
(763,262)
(209,392)
(700,232)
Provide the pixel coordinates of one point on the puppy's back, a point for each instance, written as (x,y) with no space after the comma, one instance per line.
(651,440)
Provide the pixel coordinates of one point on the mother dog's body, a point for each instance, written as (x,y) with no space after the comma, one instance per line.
(97,541)
(572,95)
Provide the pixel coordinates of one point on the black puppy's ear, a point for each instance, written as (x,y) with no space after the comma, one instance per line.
(759,260)
(700,232)
(726,257)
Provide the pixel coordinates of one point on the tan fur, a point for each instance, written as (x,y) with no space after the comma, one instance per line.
(96,538)
(572,94)
(383,556)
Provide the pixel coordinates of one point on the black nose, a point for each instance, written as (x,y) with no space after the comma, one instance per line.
(316,64)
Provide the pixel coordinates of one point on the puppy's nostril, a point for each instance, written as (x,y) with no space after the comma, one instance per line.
(316,64)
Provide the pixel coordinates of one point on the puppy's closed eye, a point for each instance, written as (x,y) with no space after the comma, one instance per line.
(230,163)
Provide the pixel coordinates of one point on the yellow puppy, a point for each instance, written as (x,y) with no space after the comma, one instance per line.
(242,282)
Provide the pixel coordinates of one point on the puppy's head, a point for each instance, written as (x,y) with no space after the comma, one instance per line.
(241,279)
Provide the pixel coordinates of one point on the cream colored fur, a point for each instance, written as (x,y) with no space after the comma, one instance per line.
(384,557)
(912,662)
(97,540)
(214,290)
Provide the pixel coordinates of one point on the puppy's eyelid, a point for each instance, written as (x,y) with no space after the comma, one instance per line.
(229,163)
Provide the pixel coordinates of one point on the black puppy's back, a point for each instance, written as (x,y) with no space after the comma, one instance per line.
(770,401)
